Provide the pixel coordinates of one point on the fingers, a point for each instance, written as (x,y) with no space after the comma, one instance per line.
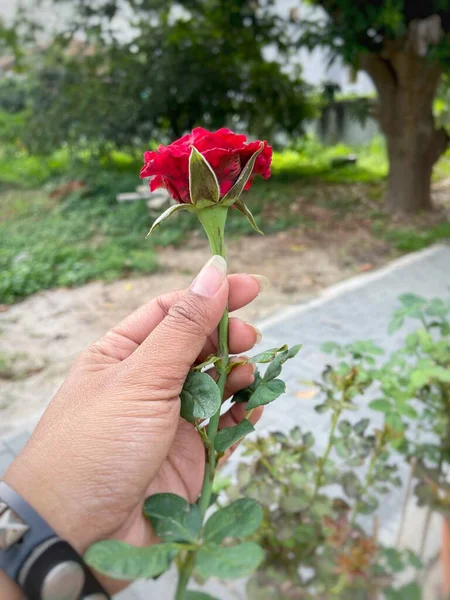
(162,361)
(239,378)
(121,341)
(242,337)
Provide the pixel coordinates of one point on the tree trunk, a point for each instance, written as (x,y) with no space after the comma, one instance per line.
(411,159)
(406,84)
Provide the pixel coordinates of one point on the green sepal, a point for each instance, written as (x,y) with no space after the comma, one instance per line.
(243,208)
(211,360)
(166,214)
(234,194)
(203,185)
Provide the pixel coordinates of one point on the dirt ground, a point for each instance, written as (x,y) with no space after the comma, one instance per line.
(40,337)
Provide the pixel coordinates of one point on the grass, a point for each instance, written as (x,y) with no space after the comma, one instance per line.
(87,235)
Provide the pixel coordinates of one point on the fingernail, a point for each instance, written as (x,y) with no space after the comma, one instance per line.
(257,331)
(264,283)
(210,278)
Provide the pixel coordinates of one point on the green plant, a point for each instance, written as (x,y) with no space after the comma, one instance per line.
(415,390)
(209,546)
(403,45)
(317,500)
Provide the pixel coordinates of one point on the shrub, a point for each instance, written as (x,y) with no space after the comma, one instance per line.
(320,527)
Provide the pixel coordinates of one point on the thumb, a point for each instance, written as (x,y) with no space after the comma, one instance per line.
(162,361)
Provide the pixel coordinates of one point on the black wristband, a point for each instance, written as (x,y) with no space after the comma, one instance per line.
(43,565)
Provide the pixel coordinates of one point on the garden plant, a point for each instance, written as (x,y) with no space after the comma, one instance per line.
(320,527)
(206,174)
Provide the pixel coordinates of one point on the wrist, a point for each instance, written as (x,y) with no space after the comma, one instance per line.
(35,487)
(8,589)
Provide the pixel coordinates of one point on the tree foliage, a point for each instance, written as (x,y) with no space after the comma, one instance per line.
(404,47)
(177,65)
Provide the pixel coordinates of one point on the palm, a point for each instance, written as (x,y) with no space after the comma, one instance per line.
(182,471)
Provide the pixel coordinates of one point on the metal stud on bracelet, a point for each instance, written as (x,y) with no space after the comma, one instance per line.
(64,582)
(12,527)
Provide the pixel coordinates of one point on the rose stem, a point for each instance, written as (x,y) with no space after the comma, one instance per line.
(213,220)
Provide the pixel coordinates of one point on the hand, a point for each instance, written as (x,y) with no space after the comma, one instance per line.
(113,436)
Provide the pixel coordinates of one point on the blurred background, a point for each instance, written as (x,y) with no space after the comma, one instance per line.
(354,96)
(86,87)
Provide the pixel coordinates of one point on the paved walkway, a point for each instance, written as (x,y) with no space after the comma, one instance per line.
(358,308)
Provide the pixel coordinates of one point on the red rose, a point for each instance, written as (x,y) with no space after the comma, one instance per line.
(225,151)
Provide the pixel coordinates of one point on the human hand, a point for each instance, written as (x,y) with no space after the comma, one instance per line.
(113,436)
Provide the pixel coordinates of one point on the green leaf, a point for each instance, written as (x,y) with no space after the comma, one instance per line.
(360,426)
(267,392)
(172,518)
(411,300)
(243,208)
(396,323)
(274,369)
(344,427)
(203,184)
(410,591)
(122,561)
(240,519)
(368,505)
(200,397)
(381,405)
(237,189)
(341,449)
(294,503)
(268,355)
(394,421)
(194,595)
(351,484)
(210,360)
(230,435)
(394,559)
(405,409)
(230,562)
(330,347)
(245,394)
(166,214)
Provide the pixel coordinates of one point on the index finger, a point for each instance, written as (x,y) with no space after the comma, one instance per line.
(123,339)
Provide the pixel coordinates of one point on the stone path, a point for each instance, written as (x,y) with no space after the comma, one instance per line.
(358,308)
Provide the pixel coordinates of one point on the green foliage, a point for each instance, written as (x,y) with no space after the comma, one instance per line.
(410,239)
(312,539)
(47,243)
(122,561)
(322,531)
(172,518)
(240,519)
(182,64)
(200,397)
(230,435)
(356,27)
(265,389)
(100,239)
(228,562)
